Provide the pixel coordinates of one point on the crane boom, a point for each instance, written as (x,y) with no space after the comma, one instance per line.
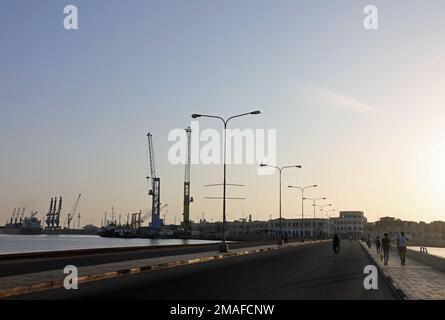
(73,211)
(151,155)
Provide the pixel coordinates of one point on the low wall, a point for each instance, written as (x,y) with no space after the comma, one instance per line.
(435,262)
(427,243)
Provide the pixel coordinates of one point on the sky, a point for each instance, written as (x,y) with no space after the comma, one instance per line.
(361,110)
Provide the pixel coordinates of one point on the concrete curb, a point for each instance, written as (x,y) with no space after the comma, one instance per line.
(393,286)
(56,284)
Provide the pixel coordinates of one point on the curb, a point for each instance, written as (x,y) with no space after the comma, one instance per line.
(393,286)
(58,283)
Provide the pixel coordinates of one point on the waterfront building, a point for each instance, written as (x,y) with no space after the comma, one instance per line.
(350,224)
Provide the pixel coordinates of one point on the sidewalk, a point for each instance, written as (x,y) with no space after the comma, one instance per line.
(416,280)
(27,283)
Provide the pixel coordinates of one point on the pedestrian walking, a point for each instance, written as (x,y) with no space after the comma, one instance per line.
(378,244)
(386,246)
(368,241)
(403,241)
(336,244)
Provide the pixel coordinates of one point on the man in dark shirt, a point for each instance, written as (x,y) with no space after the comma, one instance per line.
(386,246)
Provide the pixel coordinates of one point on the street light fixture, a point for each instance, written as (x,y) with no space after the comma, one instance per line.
(302,205)
(280,242)
(323,206)
(223,246)
(326,211)
(314,200)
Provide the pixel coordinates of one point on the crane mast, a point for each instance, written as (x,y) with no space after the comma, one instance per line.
(187,198)
(155,190)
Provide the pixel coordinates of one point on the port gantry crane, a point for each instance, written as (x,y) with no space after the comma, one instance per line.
(13,216)
(155,190)
(187,198)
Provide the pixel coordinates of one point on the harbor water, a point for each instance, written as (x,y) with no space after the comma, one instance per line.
(42,243)
(440,252)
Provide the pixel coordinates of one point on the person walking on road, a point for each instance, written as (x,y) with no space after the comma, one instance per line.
(402,248)
(386,246)
(336,244)
(378,244)
(368,241)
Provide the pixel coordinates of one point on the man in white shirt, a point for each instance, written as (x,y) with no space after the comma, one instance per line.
(402,248)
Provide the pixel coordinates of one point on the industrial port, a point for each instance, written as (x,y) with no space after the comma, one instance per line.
(136,225)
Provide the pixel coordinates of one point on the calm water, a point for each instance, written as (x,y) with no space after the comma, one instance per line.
(39,243)
(440,252)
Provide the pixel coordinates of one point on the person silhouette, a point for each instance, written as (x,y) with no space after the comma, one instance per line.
(336,244)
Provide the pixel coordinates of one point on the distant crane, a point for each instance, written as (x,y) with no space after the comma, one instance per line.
(22,215)
(33,214)
(187,198)
(147,214)
(17,215)
(13,216)
(155,190)
(73,211)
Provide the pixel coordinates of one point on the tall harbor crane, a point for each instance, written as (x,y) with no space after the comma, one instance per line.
(187,198)
(155,190)
(72,213)
(53,215)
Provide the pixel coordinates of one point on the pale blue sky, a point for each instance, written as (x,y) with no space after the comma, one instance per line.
(360,110)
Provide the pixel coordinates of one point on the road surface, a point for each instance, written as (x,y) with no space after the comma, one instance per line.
(306,272)
(31,265)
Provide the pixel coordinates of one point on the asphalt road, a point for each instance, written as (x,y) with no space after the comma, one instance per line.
(307,272)
(31,265)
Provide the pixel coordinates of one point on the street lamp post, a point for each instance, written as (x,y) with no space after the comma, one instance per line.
(224,247)
(314,200)
(325,211)
(280,242)
(302,205)
(322,207)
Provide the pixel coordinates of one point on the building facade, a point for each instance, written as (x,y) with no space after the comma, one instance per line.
(414,230)
(349,224)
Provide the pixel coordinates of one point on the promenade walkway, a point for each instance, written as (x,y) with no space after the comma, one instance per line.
(415,280)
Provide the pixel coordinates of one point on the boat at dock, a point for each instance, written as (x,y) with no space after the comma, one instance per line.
(26,226)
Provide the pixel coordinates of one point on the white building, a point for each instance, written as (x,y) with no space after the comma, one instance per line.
(349,224)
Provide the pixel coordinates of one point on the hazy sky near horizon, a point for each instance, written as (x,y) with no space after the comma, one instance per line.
(361,111)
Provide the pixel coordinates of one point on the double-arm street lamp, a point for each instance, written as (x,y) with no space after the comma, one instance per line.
(322,207)
(326,212)
(302,204)
(314,200)
(224,247)
(280,169)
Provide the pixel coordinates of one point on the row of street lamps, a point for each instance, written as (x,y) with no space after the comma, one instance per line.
(224,246)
